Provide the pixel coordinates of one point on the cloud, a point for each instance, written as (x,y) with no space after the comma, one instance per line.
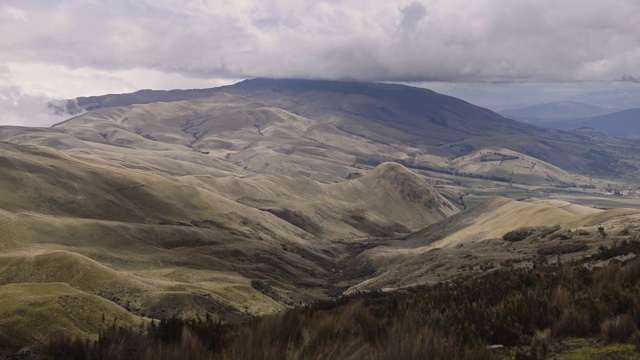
(26,89)
(629,78)
(454,40)
(411,15)
(69,48)
(22,109)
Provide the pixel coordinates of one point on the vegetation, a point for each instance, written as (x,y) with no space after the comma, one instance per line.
(518,234)
(524,232)
(524,309)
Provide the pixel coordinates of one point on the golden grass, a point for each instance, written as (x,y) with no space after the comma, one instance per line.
(162,226)
(501,215)
(33,312)
(523,170)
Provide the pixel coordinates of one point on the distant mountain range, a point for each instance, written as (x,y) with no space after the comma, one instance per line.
(549,113)
(574,115)
(624,124)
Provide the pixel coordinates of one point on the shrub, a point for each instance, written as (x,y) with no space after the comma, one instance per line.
(540,344)
(453,320)
(518,234)
(549,230)
(618,329)
(635,340)
(572,323)
(603,234)
(563,249)
(561,235)
(624,232)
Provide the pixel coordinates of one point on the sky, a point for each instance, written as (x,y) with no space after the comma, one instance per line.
(495,53)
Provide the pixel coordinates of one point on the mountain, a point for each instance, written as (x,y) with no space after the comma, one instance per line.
(623,124)
(79,228)
(276,125)
(555,112)
(569,115)
(252,198)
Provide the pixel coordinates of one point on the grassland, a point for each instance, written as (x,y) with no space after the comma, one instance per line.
(249,201)
(563,311)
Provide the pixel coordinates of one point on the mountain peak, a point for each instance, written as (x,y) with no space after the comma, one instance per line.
(393,177)
(390,169)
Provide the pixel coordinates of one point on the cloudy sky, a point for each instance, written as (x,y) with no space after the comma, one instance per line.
(493,52)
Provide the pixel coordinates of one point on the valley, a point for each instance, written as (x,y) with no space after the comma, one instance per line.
(250,199)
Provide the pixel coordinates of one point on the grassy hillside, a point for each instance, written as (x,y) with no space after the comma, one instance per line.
(321,128)
(511,166)
(553,311)
(156,245)
(35,312)
(472,240)
(251,199)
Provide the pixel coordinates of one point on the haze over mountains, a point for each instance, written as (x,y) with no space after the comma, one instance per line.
(623,124)
(554,112)
(250,198)
(573,115)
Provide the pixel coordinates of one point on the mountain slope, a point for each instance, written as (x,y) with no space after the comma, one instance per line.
(211,243)
(512,166)
(260,122)
(452,247)
(250,198)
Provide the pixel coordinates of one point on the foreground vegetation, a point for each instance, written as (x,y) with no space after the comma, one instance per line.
(524,309)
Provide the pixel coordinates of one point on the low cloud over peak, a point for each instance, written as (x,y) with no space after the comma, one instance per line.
(485,40)
(458,41)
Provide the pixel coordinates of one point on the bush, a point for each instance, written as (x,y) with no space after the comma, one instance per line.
(635,340)
(572,322)
(518,234)
(540,344)
(541,231)
(618,329)
(549,230)
(562,249)
(565,235)
(603,234)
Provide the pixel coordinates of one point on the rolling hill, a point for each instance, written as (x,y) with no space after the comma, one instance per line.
(249,199)
(263,122)
(472,239)
(154,245)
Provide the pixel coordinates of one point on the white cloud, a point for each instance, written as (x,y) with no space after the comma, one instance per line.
(68,48)
(20,108)
(483,40)
(29,87)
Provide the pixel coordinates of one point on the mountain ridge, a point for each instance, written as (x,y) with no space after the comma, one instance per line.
(556,111)
(345,116)
(623,124)
(248,199)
